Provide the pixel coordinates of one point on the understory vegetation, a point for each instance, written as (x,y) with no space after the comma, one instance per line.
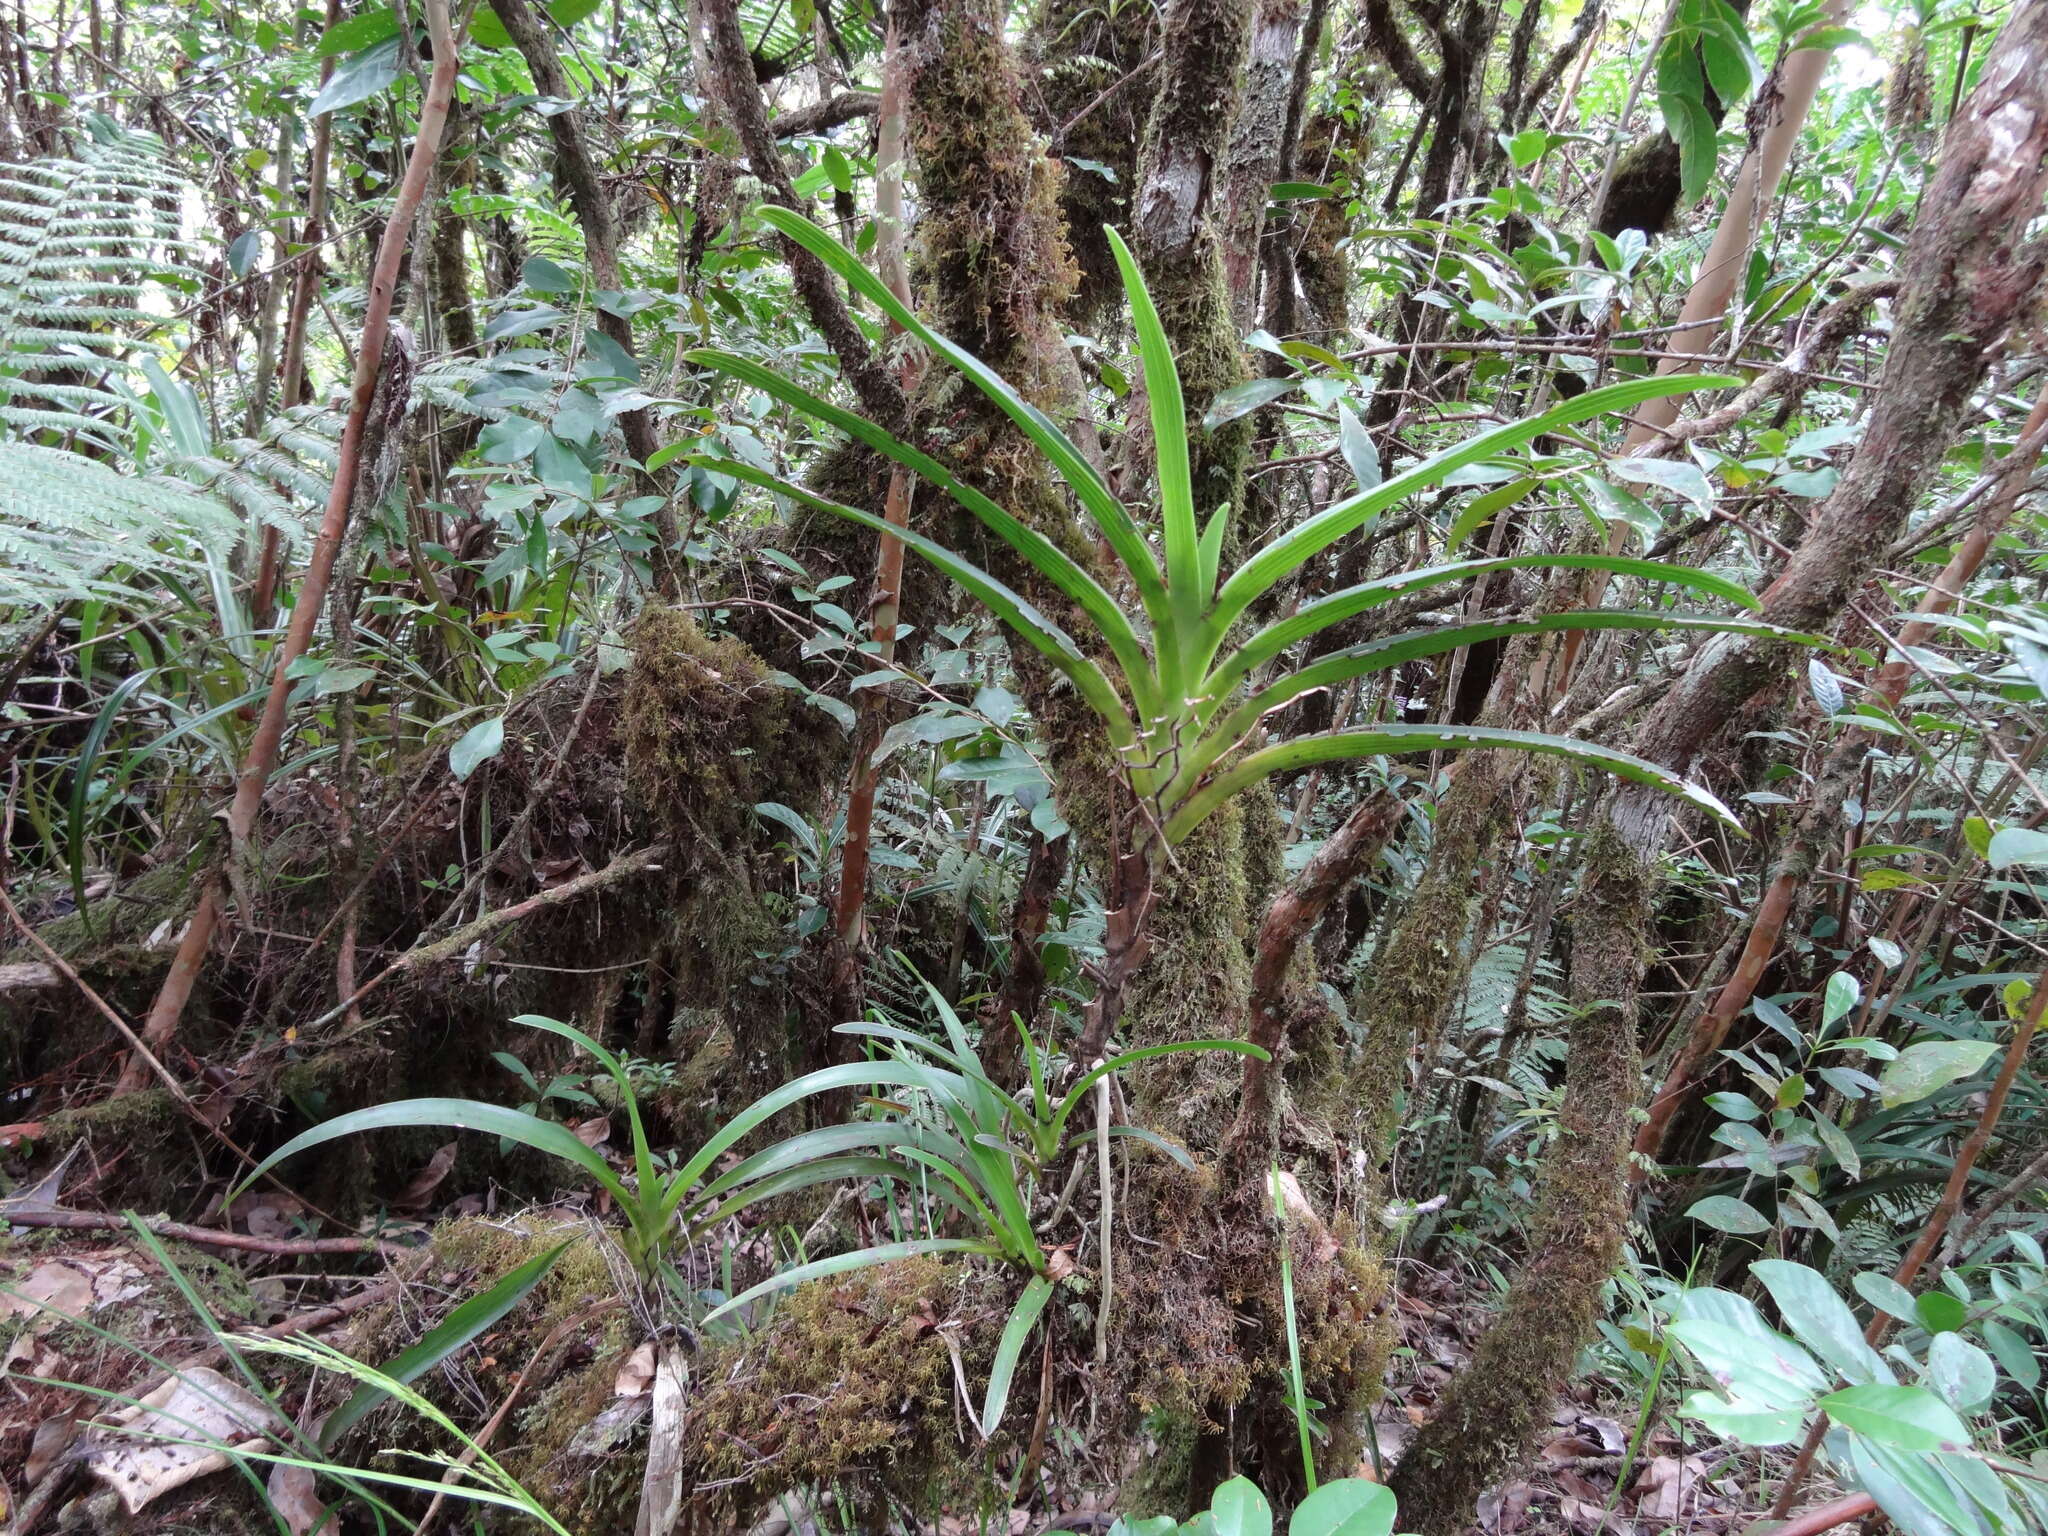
(1211,766)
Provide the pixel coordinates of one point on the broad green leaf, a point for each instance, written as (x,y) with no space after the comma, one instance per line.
(1349,1506)
(1961,1372)
(1902,1489)
(1681,477)
(1242,399)
(1747,1422)
(1929,1065)
(1886,1294)
(1842,995)
(1016,1334)
(1771,1372)
(473,1318)
(1939,1312)
(487,31)
(1725,1213)
(359,31)
(1357,447)
(1820,1319)
(477,746)
(2012,846)
(1911,1418)
(2015,1355)
(1239,1509)
(358,78)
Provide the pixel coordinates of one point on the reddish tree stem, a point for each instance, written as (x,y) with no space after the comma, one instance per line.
(269,736)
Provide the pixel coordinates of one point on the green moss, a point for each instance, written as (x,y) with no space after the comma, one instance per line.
(708,734)
(850,1387)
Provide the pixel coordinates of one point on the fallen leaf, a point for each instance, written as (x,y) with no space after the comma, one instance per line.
(12,1136)
(1612,1441)
(296,1501)
(594,1132)
(53,1438)
(51,1287)
(1669,1487)
(416,1194)
(636,1374)
(1060,1262)
(169,1441)
(268,1215)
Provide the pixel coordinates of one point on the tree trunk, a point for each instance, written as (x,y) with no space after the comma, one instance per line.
(1968,276)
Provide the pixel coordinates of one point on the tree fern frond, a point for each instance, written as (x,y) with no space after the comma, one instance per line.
(78,238)
(74,525)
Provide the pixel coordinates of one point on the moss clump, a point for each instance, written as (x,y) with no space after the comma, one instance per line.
(708,734)
(851,1388)
(1201,1336)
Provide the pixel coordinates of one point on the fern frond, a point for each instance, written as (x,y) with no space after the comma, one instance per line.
(78,238)
(74,525)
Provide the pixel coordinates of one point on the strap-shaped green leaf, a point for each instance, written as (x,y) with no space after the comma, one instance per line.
(1292,549)
(1016,1334)
(839,1264)
(452,1114)
(1176,486)
(1111,518)
(1306,751)
(1013,609)
(1412,645)
(1047,558)
(1311,618)
(468,1321)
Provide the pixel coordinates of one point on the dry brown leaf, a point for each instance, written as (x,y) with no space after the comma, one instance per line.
(416,1194)
(1060,1262)
(169,1442)
(1669,1487)
(636,1374)
(52,1286)
(12,1136)
(594,1132)
(53,1438)
(293,1494)
(1612,1441)
(1569,1448)
(268,1215)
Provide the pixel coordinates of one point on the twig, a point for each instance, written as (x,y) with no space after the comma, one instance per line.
(178,1231)
(424,955)
(63,968)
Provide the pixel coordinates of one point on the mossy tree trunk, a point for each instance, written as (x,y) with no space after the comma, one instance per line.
(1969,275)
